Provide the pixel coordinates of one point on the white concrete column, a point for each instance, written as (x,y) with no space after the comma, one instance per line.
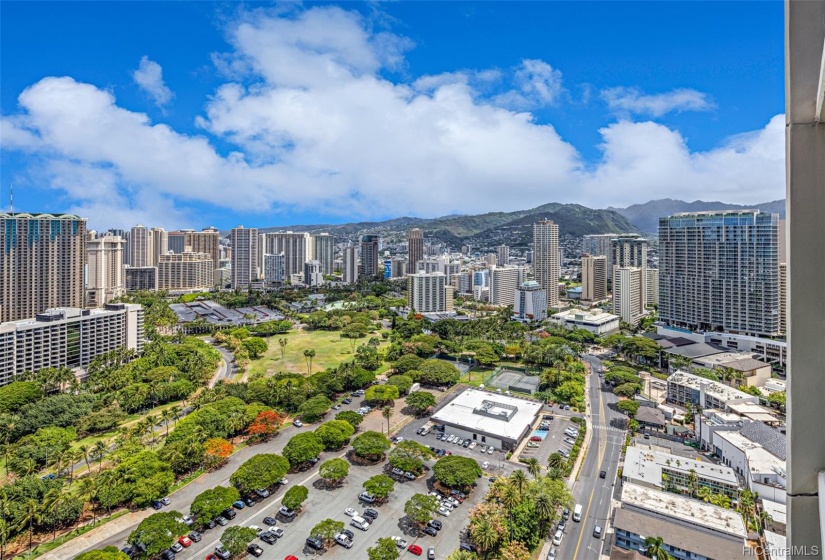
(805,167)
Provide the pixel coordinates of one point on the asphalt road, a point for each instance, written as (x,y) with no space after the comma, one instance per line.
(591,491)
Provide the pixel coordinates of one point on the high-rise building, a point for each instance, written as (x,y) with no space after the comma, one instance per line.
(42,260)
(530,302)
(415,249)
(503,255)
(546,259)
(141,278)
(481,277)
(140,246)
(176,241)
(491,259)
(312,274)
(275,269)
(208,241)
(185,272)
(463,282)
(369,256)
(68,336)
(599,246)
(594,277)
(627,293)
(399,267)
(105,276)
(652,279)
(630,250)
(297,248)
(350,264)
(324,251)
(160,244)
(244,256)
(504,280)
(719,271)
(427,292)
(783,298)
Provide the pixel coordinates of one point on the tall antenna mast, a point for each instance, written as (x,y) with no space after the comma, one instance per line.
(11,198)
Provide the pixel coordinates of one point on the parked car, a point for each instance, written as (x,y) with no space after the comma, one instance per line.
(185,541)
(336,407)
(532,444)
(283,482)
(342,539)
(445,511)
(466,443)
(366,497)
(210,524)
(297,423)
(490,450)
(409,476)
(268,537)
(350,512)
(399,542)
(535,438)
(473,445)
(254,550)
(469,547)
(156,504)
(430,531)
(431,553)
(165,501)
(397,472)
(286,512)
(557,538)
(270,521)
(221,520)
(167,555)
(239,504)
(415,549)
(262,493)
(315,543)
(277,531)
(229,513)
(435,524)
(194,536)
(176,547)
(222,553)
(370,514)
(347,400)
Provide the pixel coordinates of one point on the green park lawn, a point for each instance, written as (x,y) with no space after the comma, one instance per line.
(330,350)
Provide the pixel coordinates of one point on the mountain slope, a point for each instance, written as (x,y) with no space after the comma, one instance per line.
(646,216)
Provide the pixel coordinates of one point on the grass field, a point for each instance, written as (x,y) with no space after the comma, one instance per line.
(330,350)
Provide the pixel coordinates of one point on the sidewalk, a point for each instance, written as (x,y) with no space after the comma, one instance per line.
(91,539)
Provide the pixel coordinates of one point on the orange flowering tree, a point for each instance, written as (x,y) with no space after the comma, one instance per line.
(218,451)
(264,426)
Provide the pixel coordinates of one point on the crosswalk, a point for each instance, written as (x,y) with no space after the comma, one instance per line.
(607,428)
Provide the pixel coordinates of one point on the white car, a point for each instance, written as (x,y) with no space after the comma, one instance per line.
(490,450)
(485,465)
(188,520)
(257,529)
(283,482)
(445,511)
(399,542)
(350,512)
(557,538)
(472,445)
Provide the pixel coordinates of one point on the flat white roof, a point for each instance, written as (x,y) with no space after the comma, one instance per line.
(462,412)
(777,511)
(583,316)
(777,546)
(760,459)
(684,509)
(714,388)
(646,464)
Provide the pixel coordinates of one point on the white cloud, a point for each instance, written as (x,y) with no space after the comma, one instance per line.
(149,76)
(316,127)
(626,101)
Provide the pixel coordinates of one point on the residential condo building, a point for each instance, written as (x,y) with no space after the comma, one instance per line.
(68,336)
(275,269)
(427,292)
(599,245)
(415,249)
(504,281)
(140,246)
(350,264)
(370,261)
(546,259)
(297,248)
(628,295)
(244,256)
(530,302)
(185,272)
(719,271)
(106,274)
(594,277)
(42,259)
(141,278)
(323,246)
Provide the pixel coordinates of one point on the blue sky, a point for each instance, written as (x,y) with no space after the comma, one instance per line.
(191,114)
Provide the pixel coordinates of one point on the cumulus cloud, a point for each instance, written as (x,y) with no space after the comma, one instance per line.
(626,101)
(149,76)
(317,126)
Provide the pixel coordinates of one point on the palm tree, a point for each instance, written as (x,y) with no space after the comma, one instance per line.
(533,467)
(519,479)
(693,483)
(386,412)
(99,451)
(555,461)
(165,417)
(176,413)
(704,494)
(655,548)
(485,536)
(555,473)
(84,451)
(309,354)
(545,510)
(32,513)
(510,498)
(282,342)
(87,487)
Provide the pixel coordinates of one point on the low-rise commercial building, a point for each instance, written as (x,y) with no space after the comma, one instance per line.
(691,529)
(596,321)
(684,388)
(750,371)
(488,418)
(664,471)
(68,336)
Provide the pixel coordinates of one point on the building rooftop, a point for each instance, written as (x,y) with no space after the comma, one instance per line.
(650,415)
(701,513)
(694,350)
(217,314)
(771,439)
(777,546)
(713,388)
(594,317)
(468,411)
(64,313)
(643,463)
(777,511)
(760,460)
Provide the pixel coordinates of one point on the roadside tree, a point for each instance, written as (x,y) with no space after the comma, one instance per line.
(236,539)
(259,471)
(295,496)
(302,448)
(380,486)
(420,508)
(456,472)
(210,503)
(158,531)
(420,401)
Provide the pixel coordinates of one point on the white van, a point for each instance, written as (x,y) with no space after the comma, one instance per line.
(577,513)
(360,522)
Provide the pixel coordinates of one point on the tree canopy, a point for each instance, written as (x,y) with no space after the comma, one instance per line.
(382,394)
(335,433)
(334,470)
(158,531)
(302,447)
(420,508)
(380,486)
(456,472)
(315,408)
(384,549)
(295,496)
(420,401)
(259,471)
(236,539)
(370,445)
(210,503)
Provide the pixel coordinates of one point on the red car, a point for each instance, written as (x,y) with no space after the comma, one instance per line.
(185,541)
(291,557)
(415,549)
(535,438)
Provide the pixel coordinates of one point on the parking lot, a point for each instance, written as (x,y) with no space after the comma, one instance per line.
(554,440)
